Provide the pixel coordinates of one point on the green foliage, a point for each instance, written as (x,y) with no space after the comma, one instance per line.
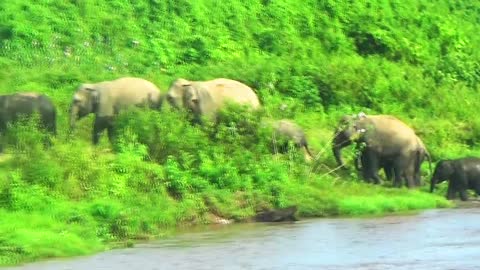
(314,62)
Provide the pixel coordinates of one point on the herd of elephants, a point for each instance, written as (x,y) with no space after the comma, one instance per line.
(383,141)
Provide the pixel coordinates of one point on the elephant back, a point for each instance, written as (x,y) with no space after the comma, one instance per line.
(222,90)
(125,92)
(386,129)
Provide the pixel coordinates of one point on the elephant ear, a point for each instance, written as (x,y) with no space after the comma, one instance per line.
(191,94)
(94,96)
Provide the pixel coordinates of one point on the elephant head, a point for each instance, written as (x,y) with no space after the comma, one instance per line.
(176,95)
(348,131)
(443,171)
(85,101)
(191,99)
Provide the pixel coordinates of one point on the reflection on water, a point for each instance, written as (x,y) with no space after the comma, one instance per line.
(437,239)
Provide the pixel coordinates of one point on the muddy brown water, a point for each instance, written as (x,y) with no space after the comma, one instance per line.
(434,239)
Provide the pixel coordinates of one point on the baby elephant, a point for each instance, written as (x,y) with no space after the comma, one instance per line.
(13,106)
(26,104)
(285,131)
(462,174)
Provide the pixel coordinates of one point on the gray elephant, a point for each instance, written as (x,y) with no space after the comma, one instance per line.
(384,138)
(26,104)
(388,166)
(106,99)
(205,98)
(285,131)
(462,174)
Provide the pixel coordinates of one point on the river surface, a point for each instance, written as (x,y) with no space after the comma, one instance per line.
(434,239)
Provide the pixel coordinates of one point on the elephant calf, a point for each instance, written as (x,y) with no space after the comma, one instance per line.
(13,106)
(286,131)
(106,99)
(462,174)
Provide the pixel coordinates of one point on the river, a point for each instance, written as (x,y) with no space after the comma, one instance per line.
(434,239)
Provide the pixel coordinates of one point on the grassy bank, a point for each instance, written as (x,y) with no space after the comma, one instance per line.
(312,63)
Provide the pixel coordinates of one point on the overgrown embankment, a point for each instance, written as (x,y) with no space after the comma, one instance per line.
(418,60)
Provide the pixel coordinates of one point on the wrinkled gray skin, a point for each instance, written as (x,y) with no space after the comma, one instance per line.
(385,139)
(106,99)
(205,98)
(27,104)
(285,131)
(388,167)
(461,174)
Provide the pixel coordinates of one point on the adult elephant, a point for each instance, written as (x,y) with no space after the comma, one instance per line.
(27,104)
(286,131)
(106,99)
(462,174)
(205,98)
(383,138)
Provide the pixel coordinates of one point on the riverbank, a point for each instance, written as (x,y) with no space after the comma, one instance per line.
(433,239)
(47,222)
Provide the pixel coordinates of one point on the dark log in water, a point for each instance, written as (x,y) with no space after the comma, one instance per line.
(278,215)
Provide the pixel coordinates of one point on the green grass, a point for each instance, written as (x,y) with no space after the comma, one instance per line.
(417,60)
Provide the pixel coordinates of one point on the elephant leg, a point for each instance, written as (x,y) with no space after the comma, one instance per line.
(397,181)
(461,184)
(100,124)
(409,177)
(477,188)
(404,171)
(370,165)
(362,164)
(111,133)
(463,195)
(450,191)
(417,168)
(388,170)
(417,179)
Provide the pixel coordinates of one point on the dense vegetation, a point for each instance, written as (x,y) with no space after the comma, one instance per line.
(311,62)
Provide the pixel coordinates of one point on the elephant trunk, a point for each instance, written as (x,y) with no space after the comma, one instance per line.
(160,101)
(358,162)
(73,116)
(338,155)
(339,141)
